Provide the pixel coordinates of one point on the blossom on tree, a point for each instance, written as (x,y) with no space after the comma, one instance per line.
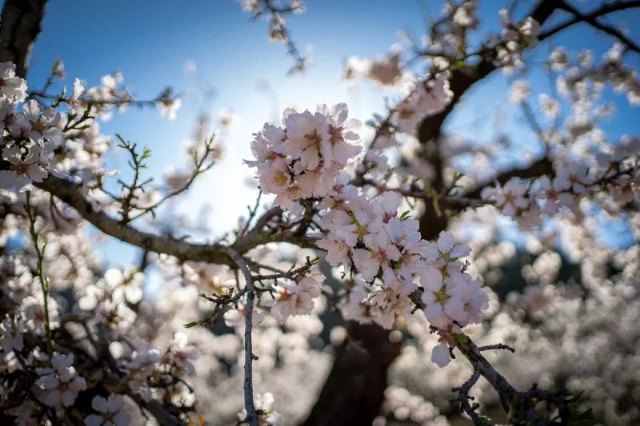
(295,298)
(59,385)
(109,412)
(12,87)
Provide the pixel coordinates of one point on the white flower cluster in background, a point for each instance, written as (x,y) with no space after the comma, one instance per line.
(529,201)
(428,98)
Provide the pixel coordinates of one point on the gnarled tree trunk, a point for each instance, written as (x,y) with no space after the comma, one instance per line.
(19,27)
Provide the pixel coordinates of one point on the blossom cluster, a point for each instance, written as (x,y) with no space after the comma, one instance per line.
(51,376)
(29,137)
(393,263)
(302,159)
(385,71)
(380,247)
(529,201)
(428,98)
(514,39)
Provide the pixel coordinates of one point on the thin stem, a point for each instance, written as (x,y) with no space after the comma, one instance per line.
(252,417)
(44,284)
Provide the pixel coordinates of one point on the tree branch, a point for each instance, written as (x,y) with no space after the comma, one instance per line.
(156,409)
(519,405)
(252,417)
(215,253)
(19,27)
(591,19)
(538,168)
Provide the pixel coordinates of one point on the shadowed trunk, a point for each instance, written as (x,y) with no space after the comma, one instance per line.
(354,390)
(19,27)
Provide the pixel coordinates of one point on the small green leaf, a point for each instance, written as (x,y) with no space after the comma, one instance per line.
(191,324)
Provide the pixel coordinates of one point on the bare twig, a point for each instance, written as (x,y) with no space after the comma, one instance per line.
(465,399)
(591,18)
(44,282)
(519,405)
(252,417)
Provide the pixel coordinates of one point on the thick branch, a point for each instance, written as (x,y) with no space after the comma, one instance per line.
(19,27)
(213,253)
(536,169)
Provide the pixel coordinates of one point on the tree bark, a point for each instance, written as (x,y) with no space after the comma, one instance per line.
(354,390)
(19,27)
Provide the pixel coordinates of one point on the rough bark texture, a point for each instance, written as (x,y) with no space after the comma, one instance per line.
(354,391)
(19,27)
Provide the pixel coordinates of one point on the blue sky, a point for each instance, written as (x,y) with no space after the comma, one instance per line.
(150,42)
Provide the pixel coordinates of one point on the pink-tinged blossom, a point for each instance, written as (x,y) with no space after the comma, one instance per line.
(441,305)
(26,165)
(110,412)
(441,355)
(295,299)
(512,197)
(59,385)
(338,249)
(169,107)
(474,300)
(386,205)
(11,331)
(125,286)
(11,87)
(337,149)
(41,124)
(388,304)
(354,307)
(181,355)
(551,196)
(446,248)
(572,177)
(141,364)
(32,308)
(369,261)
(426,99)
(520,91)
(558,59)
(550,107)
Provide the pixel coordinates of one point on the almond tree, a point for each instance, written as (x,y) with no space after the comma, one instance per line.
(379,238)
